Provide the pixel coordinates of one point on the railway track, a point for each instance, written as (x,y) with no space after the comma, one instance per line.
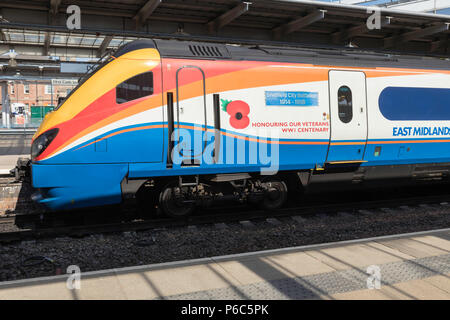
(15,197)
(7,219)
(8,181)
(205,217)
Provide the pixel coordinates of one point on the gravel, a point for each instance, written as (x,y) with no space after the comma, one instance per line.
(47,257)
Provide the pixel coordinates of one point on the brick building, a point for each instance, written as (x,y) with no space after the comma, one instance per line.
(36,93)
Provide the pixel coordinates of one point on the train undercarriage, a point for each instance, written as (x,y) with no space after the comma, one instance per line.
(179,196)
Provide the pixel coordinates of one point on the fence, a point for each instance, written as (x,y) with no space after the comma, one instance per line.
(28,120)
(28,102)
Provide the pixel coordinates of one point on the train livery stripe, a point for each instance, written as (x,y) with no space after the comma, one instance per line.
(114,73)
(224,133)
(250,74)
(121,132)
(142,105)
(225,82)
(191,90)
(265,140)
(136,62)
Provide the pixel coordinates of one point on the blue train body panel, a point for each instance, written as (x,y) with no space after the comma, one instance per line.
(62,187)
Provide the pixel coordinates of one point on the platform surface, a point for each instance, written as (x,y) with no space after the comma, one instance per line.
(412,266)
(12,146)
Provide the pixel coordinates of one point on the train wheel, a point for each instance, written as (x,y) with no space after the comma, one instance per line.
(173,205)
(276,195)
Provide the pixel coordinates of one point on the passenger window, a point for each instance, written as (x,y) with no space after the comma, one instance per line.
(345,104)
(135,88)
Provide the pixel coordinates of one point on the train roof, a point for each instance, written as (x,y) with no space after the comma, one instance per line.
(331,56)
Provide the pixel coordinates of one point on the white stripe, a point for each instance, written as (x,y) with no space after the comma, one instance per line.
(136,119)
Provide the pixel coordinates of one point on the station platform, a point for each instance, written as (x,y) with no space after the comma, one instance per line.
(13,145)
(411,266)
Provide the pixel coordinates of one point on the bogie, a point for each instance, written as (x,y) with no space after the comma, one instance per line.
(174,201)
(276,194)
(177,200)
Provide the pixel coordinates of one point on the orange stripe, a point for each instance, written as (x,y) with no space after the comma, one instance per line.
(147,104)
(123,131)
(262,140)
(101,82)
(256,139)
(244,79)
(209,130)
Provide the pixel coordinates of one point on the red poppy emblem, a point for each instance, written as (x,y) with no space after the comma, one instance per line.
(238,111)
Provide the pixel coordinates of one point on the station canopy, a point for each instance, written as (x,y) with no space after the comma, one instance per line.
(37,31)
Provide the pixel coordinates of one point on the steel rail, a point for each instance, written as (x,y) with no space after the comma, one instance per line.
(142,225)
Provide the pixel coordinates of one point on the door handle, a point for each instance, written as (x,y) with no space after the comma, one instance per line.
(170,127)
(216,99)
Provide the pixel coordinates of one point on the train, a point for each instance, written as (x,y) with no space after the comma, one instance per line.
(181,124)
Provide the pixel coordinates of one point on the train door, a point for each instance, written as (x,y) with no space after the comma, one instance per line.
(348,111)
(190,114)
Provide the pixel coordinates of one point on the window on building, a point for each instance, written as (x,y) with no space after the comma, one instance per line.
(345,104)
(134,88)
(26,88)
(48,89)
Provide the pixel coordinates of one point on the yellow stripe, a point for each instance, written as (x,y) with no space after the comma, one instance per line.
(101,82)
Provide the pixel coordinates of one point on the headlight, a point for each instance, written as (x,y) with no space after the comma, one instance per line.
(42,142)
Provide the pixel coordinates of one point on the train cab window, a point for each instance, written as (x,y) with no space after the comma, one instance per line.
(134,88)
(345,104)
